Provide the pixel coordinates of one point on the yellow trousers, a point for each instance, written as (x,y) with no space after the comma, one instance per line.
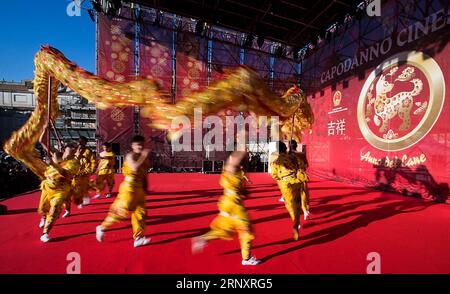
(129,199)
(100,182)
(302,176)
(80,188)
(51,202)
(291,195)
(304,194)
(68,201)
(232,218)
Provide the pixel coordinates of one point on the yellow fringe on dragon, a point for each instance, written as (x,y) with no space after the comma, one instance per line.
(241,89)
(52,64)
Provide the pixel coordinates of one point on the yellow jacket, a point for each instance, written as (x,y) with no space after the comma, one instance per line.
(136,179)
(106,163)
(284,169)
(232,184)
(302,164)
(231,201)
(55,180)
(87,162)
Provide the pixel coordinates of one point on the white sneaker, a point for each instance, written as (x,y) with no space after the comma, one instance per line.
(307,215)
(108,195)
(80,206)
(45,238)
(251,261)
(86,200)
(141,241)
(281,199)
(97,196)
(42,223)
(66,214)
(198,244)
(99,233)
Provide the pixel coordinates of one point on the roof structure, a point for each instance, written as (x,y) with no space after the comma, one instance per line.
(291,22)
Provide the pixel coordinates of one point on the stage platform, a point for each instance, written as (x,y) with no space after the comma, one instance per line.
(348,223)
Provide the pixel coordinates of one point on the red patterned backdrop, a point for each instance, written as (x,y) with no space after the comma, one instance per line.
(155,60)
(116,63)
(384,124)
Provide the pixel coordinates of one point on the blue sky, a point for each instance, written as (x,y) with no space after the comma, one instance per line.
(25,25)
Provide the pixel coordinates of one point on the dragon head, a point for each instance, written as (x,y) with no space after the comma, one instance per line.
(301,119)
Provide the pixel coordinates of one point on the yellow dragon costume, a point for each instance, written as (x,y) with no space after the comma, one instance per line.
(240,89)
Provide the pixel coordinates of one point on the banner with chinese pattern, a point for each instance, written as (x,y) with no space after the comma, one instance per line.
(381,112)
(115,57)
(155,61)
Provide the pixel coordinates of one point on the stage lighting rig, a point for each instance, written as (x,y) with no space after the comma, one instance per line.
(331,31)
(260,41)
(302,53)
(295,53)
(111,8)
(200,27)
(114,8)
(348,18)
(248,41)
(347,21)
(280,51)
(97,5)
(320,41)
(157,21)
(360,10)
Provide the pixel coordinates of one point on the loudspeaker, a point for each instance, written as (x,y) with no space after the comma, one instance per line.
(115,148)
(3,209)
(207,166)
(218,165)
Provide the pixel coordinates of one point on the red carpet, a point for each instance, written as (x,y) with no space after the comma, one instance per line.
(410,235)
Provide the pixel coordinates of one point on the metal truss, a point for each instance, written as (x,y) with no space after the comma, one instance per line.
(359,33)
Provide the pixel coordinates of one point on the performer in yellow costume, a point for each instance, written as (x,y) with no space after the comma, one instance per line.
(80,184)
(302,164)
(131,194)
(233,216)
(56,187)
(244,176)
(105,171)
(284,171)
